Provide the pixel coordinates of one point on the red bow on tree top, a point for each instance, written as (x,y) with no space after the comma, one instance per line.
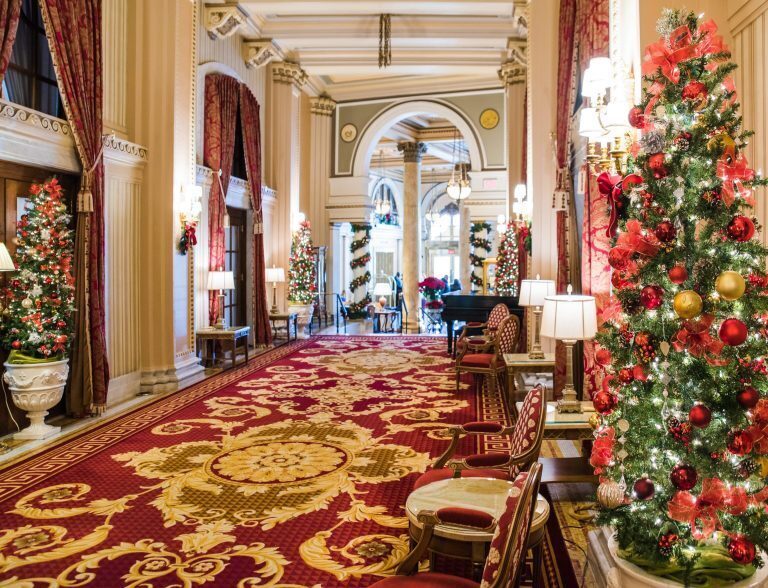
(734,174)
(709,42)
(665,55)
(702,513)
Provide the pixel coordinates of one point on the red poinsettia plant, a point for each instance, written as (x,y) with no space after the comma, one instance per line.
(432,288)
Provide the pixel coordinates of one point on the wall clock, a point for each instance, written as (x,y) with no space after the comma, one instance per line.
(348,133)
(489,118)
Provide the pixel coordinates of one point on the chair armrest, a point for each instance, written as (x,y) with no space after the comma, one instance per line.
(410,563)
(493,459)
(466,517)
(473,428)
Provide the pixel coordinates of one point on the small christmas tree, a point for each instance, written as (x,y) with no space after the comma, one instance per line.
(681,447)
(301,268)
(507,270)
(40,297)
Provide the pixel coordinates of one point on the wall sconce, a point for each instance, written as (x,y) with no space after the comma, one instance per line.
(521,207)
(604,122)
(191,207)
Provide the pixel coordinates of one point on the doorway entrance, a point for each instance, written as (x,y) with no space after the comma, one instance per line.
(235,308)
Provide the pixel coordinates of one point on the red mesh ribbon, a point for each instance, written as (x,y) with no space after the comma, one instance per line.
(709,42)
(189,231)
(610,187)
(602,449)
(655,92)
(702,513)
(734,175)
(637,241)
(694,336)
(665,55)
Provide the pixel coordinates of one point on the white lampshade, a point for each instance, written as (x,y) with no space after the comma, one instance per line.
(520,192)
(615,117)
(6,262)
(589,124)
(533,292)
(275,275)
(453,190)
(221,281)
(597,77)
(569,317)
(382,289)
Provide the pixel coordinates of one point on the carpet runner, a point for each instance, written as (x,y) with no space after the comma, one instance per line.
(291,472)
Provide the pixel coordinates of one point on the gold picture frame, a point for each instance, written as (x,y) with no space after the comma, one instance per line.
(489,275)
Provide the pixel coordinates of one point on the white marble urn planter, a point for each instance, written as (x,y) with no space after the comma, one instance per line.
(36,388)
(305,315)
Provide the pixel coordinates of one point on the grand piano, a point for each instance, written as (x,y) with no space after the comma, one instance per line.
(459,306)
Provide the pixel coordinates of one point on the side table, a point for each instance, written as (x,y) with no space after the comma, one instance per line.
(290,318)
(519,363)
(234,335)
(485,494)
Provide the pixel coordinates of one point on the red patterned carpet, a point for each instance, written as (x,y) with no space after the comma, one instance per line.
(291,472)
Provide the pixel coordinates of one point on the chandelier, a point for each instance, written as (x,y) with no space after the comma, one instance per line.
(458,188)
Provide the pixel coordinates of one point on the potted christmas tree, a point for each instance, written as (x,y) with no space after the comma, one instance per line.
(507,271)
(681,446)
(301,277)
(39,306)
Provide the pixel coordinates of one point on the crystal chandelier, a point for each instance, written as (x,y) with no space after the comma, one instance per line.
(458,189)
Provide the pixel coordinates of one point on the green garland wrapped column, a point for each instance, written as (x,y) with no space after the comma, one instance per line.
(360,264)
(480,247)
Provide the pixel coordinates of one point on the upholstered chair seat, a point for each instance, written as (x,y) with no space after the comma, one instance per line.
(488,359)
(476,336)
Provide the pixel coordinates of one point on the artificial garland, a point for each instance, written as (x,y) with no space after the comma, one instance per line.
(359,281)
(524,236)
(357,309)
(360,261)
(478,243)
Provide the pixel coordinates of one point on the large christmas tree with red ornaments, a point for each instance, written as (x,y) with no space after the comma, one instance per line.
(40,296)
(682,444)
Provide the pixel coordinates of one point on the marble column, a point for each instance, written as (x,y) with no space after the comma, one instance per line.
(321,139)
(465,264)
(282,160)
(513,74)
(411,218)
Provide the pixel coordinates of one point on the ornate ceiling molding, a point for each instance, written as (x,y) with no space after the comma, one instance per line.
(412,151)
(322,105)
(287,72)
(260,52)
(517,50)
(512,72)
(124,151)
(34,118)
(224,20)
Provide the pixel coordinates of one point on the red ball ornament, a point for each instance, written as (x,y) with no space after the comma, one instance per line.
(605,402)
(741,228)
(742,550)
(631,181)
(739,442)
(637,117)
(678,274)
(644,488)
(16,344)
(618,258)
(733,332)
(656,165)
(683,476)
(748,397)
(626,375)
(700,416)
(651,297)
(665,232)
(603,356)
(694,90)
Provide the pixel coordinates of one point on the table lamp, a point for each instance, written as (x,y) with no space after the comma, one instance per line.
(383,290)
(533,293)
(221,280)
(569,318)
(275,276)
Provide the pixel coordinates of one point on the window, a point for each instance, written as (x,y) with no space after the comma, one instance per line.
(30,80)
(444,225)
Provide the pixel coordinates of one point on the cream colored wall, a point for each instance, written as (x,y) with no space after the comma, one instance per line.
(748,20)
(650,11)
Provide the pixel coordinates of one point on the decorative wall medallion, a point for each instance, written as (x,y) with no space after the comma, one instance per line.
(489,118)
(348,133)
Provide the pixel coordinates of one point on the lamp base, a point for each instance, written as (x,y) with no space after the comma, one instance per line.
(536,354)
(273,310)
(220,324)
(569,402)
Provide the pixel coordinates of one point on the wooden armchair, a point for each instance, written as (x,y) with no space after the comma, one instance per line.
(480,336)
(489,361)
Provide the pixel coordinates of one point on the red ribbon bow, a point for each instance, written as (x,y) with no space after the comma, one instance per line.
(665,55)
(709,42)
(694,336)
(734,175)
(702,513)
(636,241)
(189,231)
(609,186)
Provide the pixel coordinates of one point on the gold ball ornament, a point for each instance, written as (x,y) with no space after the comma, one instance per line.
(610,495)
(763,463)
(730,285)
(687,304)
(594,420)
(727,143)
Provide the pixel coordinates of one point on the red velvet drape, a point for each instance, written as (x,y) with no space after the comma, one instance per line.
(249,120)
(10,10)
(73,28)
(222,95)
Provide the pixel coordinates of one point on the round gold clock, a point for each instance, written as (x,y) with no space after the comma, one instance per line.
(489,118)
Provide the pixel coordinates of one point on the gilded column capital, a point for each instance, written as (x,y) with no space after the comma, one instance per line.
(512,72)
(223,20)
(260,52)
(412,151)
(322,105)
(287,72)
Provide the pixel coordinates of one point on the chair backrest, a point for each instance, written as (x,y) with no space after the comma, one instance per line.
(507,335)
(509,545)
(497,315)
(528,433)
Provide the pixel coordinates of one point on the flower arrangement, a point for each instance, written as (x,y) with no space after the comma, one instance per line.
(432,289)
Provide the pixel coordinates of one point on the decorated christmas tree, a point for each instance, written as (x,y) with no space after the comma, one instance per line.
(301,268)
(40,296)
(507,270)
(682,443)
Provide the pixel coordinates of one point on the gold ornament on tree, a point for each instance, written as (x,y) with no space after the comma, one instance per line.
(687,304)
(727,142)
(610,495)
(730,285)
(594,420)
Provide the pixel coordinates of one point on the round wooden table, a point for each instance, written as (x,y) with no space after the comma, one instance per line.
(485,494)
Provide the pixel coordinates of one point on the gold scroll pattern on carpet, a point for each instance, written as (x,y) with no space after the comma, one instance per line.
(239,472)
